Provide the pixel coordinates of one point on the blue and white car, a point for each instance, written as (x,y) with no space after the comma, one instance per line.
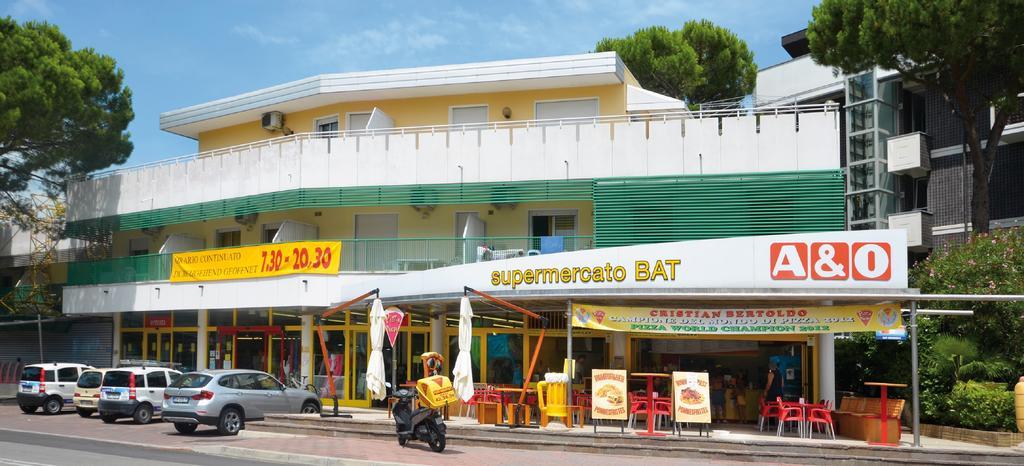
(135,392)
(50,386)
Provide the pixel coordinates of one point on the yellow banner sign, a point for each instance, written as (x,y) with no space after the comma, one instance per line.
(264,260)
(767,321)
(691,400)
(611,399)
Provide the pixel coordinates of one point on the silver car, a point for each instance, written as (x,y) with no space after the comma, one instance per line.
(227,398)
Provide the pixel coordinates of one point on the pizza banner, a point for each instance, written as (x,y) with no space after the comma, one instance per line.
(610,396)
(763,321)
(691,401)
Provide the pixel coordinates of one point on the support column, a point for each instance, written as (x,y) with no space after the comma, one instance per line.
(619,342)
(827,367)
(914,377)
(306,361)
(437,325)
(568,351)
(202,339)
(115,353)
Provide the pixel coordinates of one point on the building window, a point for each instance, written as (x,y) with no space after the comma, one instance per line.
(326,125)
(357,121)
(229,238)
(269,232)
(469,115)
(565,109)
(553,223)
(138,246)
(921,193)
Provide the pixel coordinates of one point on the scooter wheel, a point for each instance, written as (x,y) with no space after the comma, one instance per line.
(436,439)
(402,440)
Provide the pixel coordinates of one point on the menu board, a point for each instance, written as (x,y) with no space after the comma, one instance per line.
(691,401)
(611,399)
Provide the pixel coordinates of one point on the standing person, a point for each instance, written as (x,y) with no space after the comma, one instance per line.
(773,388)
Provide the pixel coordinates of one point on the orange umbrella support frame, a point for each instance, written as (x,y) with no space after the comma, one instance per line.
(323,345)
(518,409)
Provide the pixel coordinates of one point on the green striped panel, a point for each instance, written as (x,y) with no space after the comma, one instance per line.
(361,196)
(659,209)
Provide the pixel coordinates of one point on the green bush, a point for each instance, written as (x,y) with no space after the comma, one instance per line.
(982,406)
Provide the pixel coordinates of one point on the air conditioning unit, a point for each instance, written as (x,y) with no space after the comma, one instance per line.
(273,121)
(246,219)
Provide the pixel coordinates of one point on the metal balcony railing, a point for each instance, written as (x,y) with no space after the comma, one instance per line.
(357,255)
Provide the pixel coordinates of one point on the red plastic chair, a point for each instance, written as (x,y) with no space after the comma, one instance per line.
(790,412)
(662,407)
(822,417)
(767,412)
(637,404)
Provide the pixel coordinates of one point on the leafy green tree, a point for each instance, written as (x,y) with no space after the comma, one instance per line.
(957,359)
(949,46)
(699,63)
(62,111)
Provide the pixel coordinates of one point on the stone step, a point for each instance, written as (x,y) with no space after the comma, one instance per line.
(797,451)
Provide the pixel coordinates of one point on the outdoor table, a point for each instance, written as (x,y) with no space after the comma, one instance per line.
(650,402)
(884,415)
(511,417)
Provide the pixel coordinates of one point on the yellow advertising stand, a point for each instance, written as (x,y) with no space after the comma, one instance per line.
(691,401)
(610,396)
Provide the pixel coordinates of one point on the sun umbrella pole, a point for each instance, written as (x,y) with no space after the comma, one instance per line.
(323,344)
(526,312)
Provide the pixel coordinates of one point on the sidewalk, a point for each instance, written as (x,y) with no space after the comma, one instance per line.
(308,449)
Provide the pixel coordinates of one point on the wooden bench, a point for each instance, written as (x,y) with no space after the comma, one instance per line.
(858,418)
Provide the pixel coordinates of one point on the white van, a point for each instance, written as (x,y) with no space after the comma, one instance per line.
(51,386)
(135,392)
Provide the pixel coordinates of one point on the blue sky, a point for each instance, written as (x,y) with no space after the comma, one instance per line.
(180,53)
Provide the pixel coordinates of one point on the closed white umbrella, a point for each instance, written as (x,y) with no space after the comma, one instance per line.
(375,369)
(463,370)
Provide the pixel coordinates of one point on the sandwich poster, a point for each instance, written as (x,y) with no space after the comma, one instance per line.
(611,400)
(691,400)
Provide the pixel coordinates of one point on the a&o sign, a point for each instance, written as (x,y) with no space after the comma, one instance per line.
(831,261)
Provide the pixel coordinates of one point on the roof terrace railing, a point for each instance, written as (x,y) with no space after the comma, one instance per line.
(497,125)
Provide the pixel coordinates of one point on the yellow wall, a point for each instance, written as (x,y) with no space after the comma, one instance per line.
(423,111)
(339,223)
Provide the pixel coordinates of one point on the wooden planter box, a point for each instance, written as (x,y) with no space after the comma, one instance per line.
(980,437)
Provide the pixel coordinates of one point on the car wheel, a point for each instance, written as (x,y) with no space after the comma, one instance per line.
(310,408)
(185,427)
(84,412)
(108,419)
(53,405)
(143,414)
(230,422)
(28,409)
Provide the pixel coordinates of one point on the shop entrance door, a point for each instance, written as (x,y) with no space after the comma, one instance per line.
(158,345)
(359,353)
(250,348)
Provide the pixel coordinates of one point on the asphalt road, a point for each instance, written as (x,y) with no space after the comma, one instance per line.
(34,449)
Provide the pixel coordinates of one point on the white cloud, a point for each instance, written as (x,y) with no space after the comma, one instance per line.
(249,31)
(392,38)
(31,8)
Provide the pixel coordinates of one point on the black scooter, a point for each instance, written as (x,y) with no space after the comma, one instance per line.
(423,424)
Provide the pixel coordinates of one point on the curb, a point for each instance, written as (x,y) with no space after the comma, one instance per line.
(291,458)
(115,442)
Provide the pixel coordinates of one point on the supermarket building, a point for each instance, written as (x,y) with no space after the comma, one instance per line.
(436,178)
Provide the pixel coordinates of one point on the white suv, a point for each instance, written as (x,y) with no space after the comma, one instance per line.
(48,385)
(135,392)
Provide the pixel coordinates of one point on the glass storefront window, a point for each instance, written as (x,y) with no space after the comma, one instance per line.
(420,345)
(186,318)
(402,359)
(221,318)
(286,318)
(185,350)
(504,358)
(252,317)
(862,176)
(131,345)
(132,320)
(358,316)
(287,361)
(453,354)
(335,341)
